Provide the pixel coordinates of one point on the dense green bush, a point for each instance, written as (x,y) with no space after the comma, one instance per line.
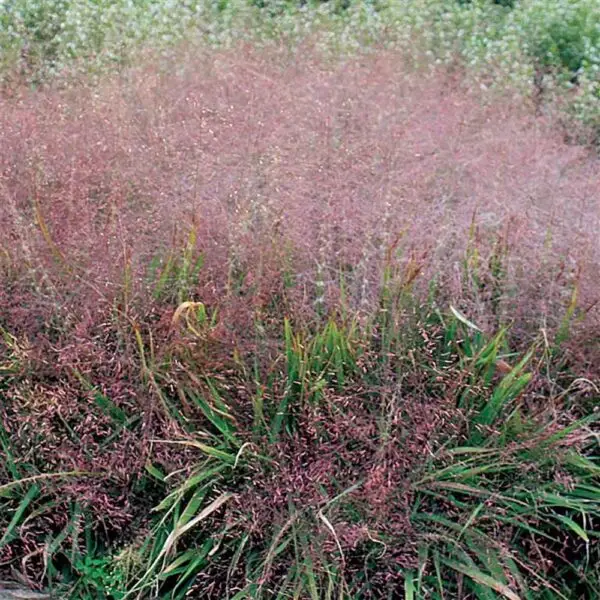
(49,35)
(564,36)
(558,39)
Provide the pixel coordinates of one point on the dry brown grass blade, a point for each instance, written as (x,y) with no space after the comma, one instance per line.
(41,222)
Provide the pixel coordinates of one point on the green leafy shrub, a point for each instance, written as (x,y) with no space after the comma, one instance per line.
(567,36)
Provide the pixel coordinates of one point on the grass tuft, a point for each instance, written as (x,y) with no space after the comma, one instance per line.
(287,326)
